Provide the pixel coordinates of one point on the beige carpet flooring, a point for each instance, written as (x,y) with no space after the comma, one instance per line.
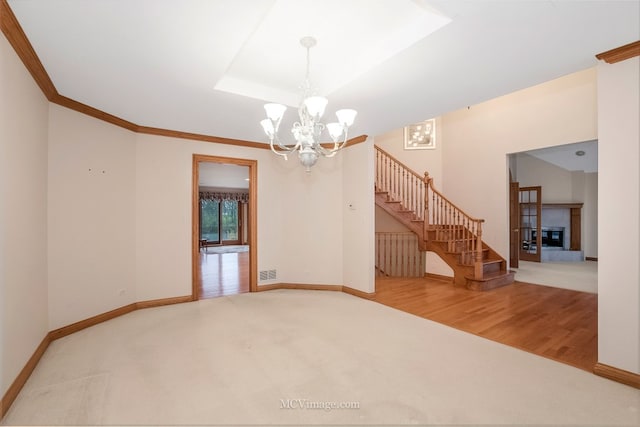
(577,276)
(277,357)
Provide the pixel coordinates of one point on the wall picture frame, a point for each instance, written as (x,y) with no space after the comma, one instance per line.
(420,136)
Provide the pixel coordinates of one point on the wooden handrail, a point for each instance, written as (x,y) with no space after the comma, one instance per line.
(397,161)
(400,183)
(417,195)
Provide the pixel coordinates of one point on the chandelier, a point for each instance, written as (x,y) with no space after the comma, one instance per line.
(308,131)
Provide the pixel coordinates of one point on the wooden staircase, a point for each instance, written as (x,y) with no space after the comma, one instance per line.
(441,226)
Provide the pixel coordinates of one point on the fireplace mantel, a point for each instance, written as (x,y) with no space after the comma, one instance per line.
(562,205)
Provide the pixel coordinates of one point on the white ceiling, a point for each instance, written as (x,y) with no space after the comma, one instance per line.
(565,156)
(157,62)
(222,175)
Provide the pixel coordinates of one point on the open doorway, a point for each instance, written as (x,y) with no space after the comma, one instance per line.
(553,215)
(224,226)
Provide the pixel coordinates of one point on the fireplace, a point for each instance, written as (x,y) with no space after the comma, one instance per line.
(552,237)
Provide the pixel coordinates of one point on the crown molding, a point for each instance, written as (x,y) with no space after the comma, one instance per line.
(199,137)
(620,53)
(18,39)
(22,46)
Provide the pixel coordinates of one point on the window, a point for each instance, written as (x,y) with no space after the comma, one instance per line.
(219,221)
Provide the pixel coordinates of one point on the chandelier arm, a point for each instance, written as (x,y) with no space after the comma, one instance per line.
(284,150)
(279,153)
(326,152)
(337,146)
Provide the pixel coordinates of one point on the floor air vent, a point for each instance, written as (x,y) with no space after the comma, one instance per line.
(267,275)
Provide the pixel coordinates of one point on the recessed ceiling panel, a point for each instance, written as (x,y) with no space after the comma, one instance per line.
(353,36)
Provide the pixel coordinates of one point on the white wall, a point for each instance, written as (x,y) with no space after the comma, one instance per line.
(312,219)
(619,214)
(385,223)
(92,203)
(23,216)
(476,142)
(358,217)
(420,161)
(555,181)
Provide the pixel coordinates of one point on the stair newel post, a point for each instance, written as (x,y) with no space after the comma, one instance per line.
(478,267)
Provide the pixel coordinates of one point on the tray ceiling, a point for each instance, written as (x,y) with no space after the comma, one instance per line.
(206,66)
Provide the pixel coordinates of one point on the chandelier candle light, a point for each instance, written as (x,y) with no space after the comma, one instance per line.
(309,129)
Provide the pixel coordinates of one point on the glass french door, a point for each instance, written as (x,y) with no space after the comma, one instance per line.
(530,223)
(220,222)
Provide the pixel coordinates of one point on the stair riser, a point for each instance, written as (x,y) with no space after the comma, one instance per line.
(491,268)
(487,285)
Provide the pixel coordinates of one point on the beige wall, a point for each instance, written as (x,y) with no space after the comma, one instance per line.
(420,161)
(385,223)
(555,181)
(477,140)
(358,217)
(23,216)
(312,221)
(92,196)
(163,211)
(125,235)
(619,214)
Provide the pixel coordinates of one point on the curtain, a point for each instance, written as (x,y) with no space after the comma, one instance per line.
(223,195)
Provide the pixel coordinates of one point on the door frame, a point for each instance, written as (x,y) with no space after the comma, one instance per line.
(252,222)
(514,224)
(524,256)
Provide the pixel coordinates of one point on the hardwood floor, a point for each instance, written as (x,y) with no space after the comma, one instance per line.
(223,274)
(556,323)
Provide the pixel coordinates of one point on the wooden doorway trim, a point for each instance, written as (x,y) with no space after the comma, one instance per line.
(526,230)
(514,224)
(252,223)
